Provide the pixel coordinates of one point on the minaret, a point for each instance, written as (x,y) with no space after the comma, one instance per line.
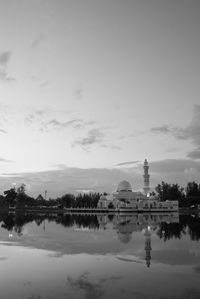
(148,248)
(146,177)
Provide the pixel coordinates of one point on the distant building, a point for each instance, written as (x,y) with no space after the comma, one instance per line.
(40,197)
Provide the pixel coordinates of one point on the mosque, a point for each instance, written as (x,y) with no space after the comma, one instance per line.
(124,199)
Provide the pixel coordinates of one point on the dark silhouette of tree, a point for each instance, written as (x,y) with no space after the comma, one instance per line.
(168,231)
(170,192)
(192,194)
(67,200)
(192,189)
(10,196)
(22,198)
(8,221)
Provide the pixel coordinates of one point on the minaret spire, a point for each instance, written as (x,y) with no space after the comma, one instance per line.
(146,177)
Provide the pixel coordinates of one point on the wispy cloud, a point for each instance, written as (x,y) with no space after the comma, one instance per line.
(78,94)
(4,77)
(4,58)
(167,129)
(36,42)
(192,132)
(56,124)
(173,165)
(114,147)
(5,160)
(128,163)
(46,120)
(3,131)
(95,136)
(195,154)
(161,129)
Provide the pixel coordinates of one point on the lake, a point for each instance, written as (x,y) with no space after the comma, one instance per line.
(99,256)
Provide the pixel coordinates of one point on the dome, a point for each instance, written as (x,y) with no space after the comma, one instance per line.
(124,186)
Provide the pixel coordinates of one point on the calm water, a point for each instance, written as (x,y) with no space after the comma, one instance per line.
(82,256)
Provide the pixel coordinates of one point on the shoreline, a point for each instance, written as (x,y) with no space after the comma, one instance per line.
(95,211)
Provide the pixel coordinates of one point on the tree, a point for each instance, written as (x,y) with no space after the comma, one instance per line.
(10,196)
(192,189)
(67,200)
(22,198)
(170,192)
(193,193)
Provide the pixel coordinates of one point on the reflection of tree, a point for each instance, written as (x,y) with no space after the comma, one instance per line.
(80,220)
(194,228)
(168,231)
(188,223)
(8,221)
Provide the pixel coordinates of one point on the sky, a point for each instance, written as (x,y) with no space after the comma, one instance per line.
(90,88)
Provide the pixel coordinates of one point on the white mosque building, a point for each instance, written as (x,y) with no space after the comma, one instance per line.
(125,199)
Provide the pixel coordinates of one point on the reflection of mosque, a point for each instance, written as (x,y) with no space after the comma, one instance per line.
(128,224)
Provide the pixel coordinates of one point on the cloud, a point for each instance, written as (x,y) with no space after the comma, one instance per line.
(37,41)
(114,147)
(5,160)
(173,165)
(4,58)
(195,154)
(4,77)
(127,163)
(166,129)
(65,179)
(3,131)
(191,132)
(161,129)
(95,136)
(46,120)
(78,94)
(56,124)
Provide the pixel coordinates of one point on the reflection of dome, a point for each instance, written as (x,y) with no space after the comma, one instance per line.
(125,230)
(124,186)
(124,237)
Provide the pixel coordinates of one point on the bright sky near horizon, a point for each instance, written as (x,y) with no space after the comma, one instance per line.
(93,84)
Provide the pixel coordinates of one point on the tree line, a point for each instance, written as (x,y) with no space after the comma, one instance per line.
(19,198)
(187,197)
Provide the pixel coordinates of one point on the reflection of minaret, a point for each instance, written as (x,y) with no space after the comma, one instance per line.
(148,248)
(44,225)
(146,177)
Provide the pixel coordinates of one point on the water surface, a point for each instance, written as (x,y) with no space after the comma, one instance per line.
(99,256)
